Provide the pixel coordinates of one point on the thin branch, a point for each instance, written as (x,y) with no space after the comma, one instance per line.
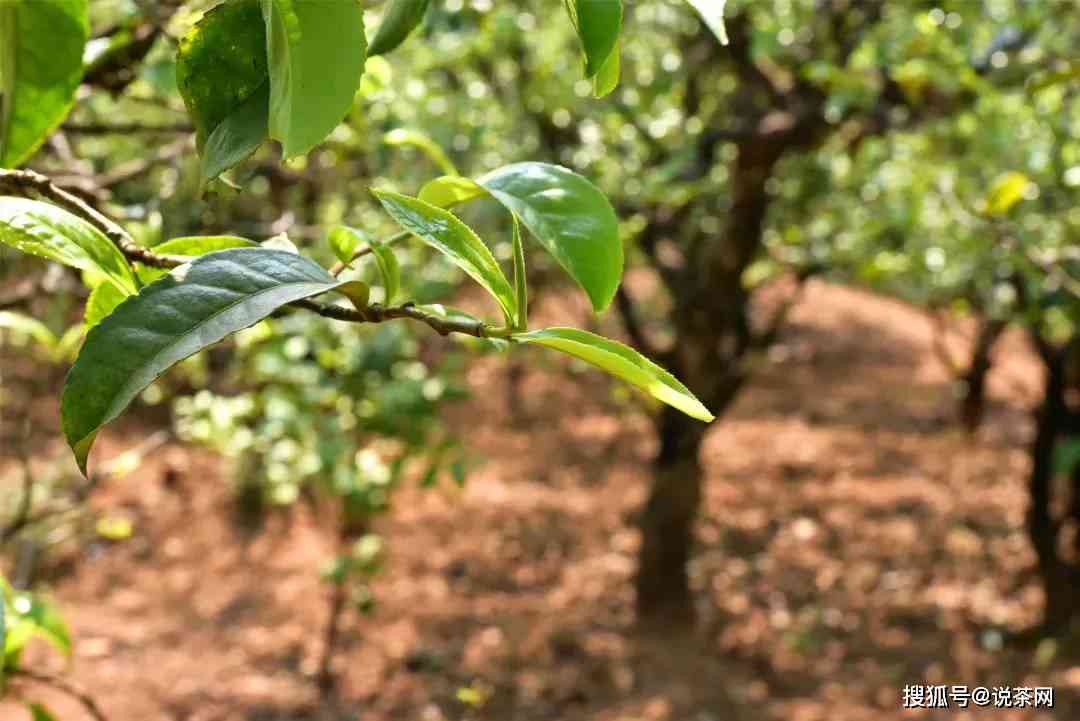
(1053,269)
(125,128)
(27,183)
(134,168)
(65,686)
(339,268)
(378,314)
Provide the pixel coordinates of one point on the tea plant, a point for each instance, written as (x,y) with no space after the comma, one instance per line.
(251,71)
(255,71)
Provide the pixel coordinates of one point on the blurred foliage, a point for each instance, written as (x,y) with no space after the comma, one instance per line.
(344,411)
(955,213)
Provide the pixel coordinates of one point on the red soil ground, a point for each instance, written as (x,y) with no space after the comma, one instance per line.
(854,540)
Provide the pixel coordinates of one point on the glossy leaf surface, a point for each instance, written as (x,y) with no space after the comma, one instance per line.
(192,246)
(442,230)
(316,55)
(450,190)
(193,307)
(50,232)
(570,217)
(597,23)
(399,20)
(221,72)
(623,362)
(521,289)
(41,65)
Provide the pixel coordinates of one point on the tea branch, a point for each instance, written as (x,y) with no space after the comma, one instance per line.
(35,186)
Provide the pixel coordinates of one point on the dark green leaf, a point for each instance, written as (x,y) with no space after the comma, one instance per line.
(41,50)
(598,23)
(237,136)
(221,70)
(443,231)
(192,246)
(50,232)
(221,63)
(620,361)
(400,19)
(316,56)
(570,217)
(194,306)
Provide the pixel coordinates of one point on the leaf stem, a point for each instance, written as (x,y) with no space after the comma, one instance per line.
(35,186)
(339,268)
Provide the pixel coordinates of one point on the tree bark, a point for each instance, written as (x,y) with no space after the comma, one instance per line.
(667,521)
(973,405)
(1057,576)
(713,335)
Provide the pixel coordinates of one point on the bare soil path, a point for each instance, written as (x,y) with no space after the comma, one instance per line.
(854,541)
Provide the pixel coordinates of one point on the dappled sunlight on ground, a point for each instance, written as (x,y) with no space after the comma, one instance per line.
(854,540)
